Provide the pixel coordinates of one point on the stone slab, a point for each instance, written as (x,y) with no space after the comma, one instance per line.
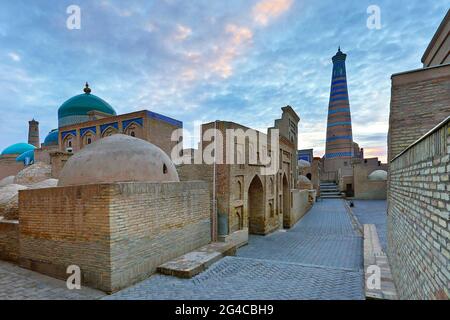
(374,255)
(194,262)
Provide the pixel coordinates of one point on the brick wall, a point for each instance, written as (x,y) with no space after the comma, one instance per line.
(418,218)
(365,188)
(9,166)
(9,241)
(152,223)
(116,233)
(300,206)
(420,99)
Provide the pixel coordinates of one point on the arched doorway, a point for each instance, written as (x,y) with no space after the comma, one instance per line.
(286,197)
(256,206)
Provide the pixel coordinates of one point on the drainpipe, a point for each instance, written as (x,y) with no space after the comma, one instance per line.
(214,202)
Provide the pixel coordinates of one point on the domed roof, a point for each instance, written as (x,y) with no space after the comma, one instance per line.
(18,148)
(118,158)
(6,181)
(37,172)
(378,175)
(51,138)
(304,183)
(27,155)
(81,104)
(303,164)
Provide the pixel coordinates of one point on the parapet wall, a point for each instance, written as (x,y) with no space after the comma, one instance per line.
(116,233)
(418,217)
(302,201)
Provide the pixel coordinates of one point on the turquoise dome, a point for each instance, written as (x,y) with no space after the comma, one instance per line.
(52,138)
(27,157)
(18,148)
(75,110)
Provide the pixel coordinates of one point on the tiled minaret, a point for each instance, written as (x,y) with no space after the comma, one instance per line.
(339,144)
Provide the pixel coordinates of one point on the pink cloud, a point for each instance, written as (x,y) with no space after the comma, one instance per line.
(266,10)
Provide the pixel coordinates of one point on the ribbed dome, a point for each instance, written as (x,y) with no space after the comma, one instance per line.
(52,138)
(75,110)
(18,149)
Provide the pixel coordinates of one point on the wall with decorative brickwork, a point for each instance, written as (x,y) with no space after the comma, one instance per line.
(418,218)
(116,233)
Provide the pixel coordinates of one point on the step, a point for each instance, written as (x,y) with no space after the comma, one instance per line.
(331,192)
(194,262)
(330,197)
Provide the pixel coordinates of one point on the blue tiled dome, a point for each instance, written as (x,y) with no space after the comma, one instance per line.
(52,138)
(18,148)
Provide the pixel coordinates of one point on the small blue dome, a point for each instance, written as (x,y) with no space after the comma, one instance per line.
(27,157)
(18,148)
(52,138)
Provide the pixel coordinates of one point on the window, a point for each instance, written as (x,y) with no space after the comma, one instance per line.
(69,143)
(164,168)
(89,140)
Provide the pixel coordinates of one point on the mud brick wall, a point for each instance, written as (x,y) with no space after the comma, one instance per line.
(152,223)
(116,233)
(420,99)
(9,241)
(418,218)
(67,226)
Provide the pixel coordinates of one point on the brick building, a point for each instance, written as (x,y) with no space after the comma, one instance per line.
(418,181)
(248,201)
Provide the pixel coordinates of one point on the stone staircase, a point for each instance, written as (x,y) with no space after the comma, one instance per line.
(329,190)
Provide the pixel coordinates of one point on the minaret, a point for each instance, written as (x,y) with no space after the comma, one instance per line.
(33,133)
(339,144)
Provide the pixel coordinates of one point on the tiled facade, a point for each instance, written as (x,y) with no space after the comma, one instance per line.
(147,125)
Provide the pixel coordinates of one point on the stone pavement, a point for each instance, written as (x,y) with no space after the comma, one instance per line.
(373,212)
(320,258)
(22,284)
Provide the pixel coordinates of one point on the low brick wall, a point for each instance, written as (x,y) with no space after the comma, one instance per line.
(418,217)
(116,233)
(9,240)
(300,206)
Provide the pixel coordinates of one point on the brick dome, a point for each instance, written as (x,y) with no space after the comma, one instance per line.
(118,158)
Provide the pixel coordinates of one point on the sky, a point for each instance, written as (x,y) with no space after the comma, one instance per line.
(206,60)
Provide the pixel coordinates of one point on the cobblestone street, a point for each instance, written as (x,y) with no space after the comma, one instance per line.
(22,284)
(320,258)
(373,212)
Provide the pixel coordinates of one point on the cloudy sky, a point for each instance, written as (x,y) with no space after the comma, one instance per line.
(202,60)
